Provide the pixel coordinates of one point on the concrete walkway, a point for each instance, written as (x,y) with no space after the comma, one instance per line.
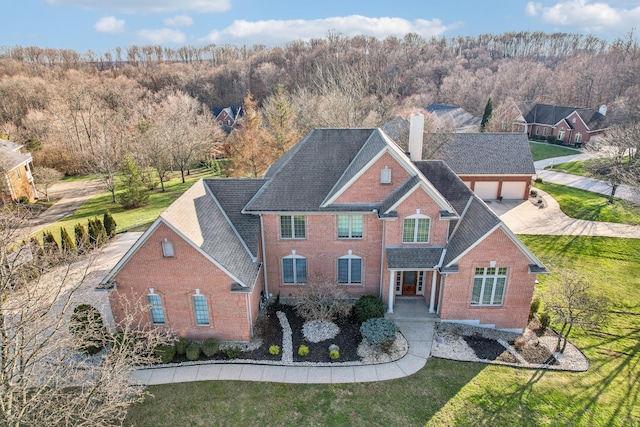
(418,332)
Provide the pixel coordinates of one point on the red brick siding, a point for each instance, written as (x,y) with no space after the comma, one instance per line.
(457,288)
(368,189)
(20,183)
(322,248)
(175,280)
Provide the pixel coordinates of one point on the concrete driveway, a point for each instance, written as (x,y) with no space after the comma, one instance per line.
(525,217)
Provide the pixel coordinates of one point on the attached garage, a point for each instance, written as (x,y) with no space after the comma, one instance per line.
(486,190)
(514,190)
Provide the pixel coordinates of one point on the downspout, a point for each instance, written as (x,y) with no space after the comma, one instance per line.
(250,316)
(384,228)
(264,258)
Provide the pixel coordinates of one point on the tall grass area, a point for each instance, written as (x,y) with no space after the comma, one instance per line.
(138,219)
(543,150)
(592,206)
(447,393)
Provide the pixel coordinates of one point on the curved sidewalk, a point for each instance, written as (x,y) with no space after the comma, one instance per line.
(419,335)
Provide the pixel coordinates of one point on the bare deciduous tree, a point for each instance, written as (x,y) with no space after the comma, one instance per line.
(44,178)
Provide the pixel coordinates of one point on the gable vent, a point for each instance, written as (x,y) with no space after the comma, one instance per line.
(385,176)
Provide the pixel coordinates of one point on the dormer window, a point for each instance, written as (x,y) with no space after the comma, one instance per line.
(385,176)
(167,249)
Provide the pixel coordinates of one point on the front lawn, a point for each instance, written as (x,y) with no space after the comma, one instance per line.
(447,393)
(543,150)
(574,168)
(591,206)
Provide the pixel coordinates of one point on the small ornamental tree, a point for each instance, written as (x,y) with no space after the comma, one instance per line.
(67,243)
(109,224)
(486,116)
(82,238)
(134,193)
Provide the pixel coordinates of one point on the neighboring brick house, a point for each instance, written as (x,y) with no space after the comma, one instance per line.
(493,165)
(570,125)
(343,205)
(16,172)
(227,117)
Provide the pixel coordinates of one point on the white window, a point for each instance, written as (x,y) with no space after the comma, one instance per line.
(292,227)
(156,311)
(350,226)
(398,282)
(416,229)
(167,249)
(294,269)
(544,131)
(385,176)
(578,137)
(537,130)
(561,135)
(488,286)
(200,309)
(350,270)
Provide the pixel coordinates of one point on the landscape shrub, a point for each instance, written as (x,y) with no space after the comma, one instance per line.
(97,232)
(334,354)
(538,180)
(545,319)
(210,347)
(109,224)
(520,341)
(123,342)
(82,238)
(67,243)
(274,350)
(193,351)
(323,300)
(181,345)
(368,307)
(534,193)
(165,352)
(378,331)
(232,352)
(88,329)
(535,306)
(50,244)
(303,350)
(550,139)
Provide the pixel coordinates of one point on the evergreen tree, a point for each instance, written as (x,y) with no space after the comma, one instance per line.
(68,246)
(97,232)
(50,244)
(37,247)
(134,192)
(109,224)
(82,238)
(488,110)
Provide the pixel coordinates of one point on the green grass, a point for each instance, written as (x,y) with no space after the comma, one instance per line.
(138,219)
(592,206)
(542,150)
(575,168)
(74,178)
(446,393)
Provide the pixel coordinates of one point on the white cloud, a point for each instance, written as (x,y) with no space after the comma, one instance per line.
(277,32)
(162,36)
(179,21)
(109,24)
(592,16)
(533,9)
(132,6)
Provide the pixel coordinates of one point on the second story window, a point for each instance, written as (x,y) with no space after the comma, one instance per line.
(294,269)
(292,227)
(350,226)
(416,229)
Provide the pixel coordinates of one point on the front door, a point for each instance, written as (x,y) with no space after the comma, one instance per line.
(409,283)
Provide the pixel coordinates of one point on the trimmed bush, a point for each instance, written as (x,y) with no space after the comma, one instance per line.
(193,351)
(232,352)
(274,350)
(533,309)
(68,245)
(121,341)
(334,354)
(210,347)
(534,193)
(378,330)
(109,224)
(181,345)
(88,329)
(545,319)
(368,307)
(303,350)
(538,180)
(165,352)
(50,244)
(82,238)
(97,232)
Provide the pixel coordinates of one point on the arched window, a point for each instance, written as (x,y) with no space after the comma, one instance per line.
(155,308)
(200,309)
(294,269)
(416,229)
(561,134)
(350,270)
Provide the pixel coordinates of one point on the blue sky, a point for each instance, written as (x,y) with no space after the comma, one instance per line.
(101,25)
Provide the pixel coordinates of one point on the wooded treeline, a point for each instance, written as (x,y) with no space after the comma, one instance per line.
(88,104)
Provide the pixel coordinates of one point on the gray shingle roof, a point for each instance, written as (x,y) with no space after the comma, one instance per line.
(407,257)
(302,179)
(448,116)
(489,154)
(10,157)
(198,217)
(547,114)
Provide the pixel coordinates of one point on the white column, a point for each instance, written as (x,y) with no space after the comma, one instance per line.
(392,289)
(432,300)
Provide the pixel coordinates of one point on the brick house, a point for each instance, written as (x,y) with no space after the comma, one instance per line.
(344,205)
(569,125)
(16,172)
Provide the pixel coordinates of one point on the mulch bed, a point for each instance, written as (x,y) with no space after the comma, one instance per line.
(489,349)
(538,354)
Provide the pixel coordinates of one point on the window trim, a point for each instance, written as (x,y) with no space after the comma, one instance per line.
(350,227)
(292,224)
(561,134)
(492,280)
(349,258)
(295,258)
(195,296)
(416,218)
(156,307)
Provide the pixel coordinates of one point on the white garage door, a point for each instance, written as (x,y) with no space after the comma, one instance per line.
(486,190)
(467,183)
(513,190)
